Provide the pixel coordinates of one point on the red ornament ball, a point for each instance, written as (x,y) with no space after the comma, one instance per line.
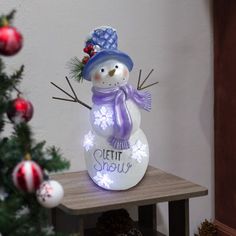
(11,41)
(27,176)
(20,110)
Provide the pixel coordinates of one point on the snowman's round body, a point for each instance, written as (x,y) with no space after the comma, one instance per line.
(108,167)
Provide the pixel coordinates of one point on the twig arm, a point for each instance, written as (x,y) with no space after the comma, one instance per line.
(139,77)
(148,86)
(64,99)
(142,86)
(146,78)
(73,99)
(76,98)
(62,90)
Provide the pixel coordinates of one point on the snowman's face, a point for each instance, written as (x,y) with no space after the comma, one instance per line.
(110,74)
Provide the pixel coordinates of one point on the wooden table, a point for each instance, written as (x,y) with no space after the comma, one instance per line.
(83,197)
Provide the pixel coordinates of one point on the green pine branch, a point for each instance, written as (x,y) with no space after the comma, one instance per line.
(18,73)
(7,18)
(76,68)
(2,66)
(11,15)
(51,160)
(23,135)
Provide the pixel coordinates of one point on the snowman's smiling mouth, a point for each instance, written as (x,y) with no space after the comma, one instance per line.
(116,84)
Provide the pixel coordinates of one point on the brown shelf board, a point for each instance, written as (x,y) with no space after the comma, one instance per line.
(83,197)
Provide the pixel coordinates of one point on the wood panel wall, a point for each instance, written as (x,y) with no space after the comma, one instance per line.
(225,115)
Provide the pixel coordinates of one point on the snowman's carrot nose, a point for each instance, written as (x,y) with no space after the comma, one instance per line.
(112,72)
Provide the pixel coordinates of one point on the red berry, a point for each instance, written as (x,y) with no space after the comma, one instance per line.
(10,41)
(92,53)
(90,47)
(85,59)
(86,50)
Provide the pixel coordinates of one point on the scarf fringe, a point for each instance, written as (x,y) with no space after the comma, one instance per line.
(119,144)
(147,100)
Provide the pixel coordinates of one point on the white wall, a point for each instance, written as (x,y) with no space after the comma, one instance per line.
(173,37)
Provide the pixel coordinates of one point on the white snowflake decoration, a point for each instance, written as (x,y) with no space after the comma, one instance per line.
(139,151)
(22,212)
(3,195)
(45,191)
(103,117)
(88,140)
(49,230)
(103,180)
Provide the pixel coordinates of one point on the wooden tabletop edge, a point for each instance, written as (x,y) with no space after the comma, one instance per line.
(102,208)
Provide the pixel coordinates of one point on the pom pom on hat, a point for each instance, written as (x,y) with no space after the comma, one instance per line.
(105,37)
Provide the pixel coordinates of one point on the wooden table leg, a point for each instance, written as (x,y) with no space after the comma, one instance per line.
(53,218)
(147,216)
(81,226)
(179,218)
(66,223)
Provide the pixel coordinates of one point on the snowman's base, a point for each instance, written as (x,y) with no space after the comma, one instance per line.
(120,187)
(117,169)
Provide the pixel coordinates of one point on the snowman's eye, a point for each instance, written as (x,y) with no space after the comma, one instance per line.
(116,66)
(102,70)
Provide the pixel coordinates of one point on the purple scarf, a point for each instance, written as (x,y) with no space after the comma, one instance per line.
(122,120)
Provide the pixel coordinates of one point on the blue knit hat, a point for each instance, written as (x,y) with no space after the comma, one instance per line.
(102,46)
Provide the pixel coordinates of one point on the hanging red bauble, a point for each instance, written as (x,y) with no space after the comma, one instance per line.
(20,110)
(27,176)
(11,41)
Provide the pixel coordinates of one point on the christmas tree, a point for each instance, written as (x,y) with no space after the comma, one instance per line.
(25,188)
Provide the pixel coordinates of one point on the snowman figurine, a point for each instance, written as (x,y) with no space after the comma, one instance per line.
(116,149)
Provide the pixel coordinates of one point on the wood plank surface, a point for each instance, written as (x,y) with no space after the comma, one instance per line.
(83,196)
(225,115)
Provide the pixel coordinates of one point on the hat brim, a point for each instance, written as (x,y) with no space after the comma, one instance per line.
(105,55)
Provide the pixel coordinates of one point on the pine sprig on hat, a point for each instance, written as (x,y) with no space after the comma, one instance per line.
(76,67)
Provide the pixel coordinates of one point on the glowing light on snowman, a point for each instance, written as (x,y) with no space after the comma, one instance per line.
(116,149)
